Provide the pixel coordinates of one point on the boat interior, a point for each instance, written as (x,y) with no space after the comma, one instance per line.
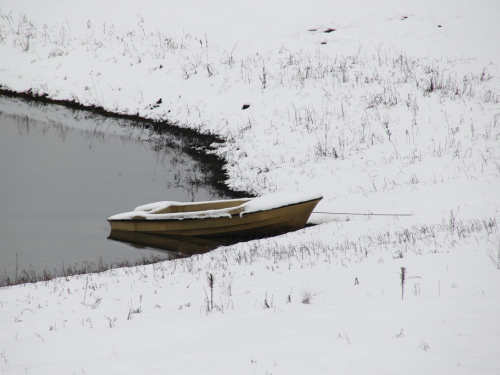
(201,206)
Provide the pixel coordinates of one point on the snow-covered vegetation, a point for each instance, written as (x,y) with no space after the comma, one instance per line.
(391,107)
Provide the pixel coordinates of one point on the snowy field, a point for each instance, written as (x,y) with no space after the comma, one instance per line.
(383,107)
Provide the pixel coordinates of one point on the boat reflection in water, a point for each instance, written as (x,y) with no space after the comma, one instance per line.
(177,246)
(187,245)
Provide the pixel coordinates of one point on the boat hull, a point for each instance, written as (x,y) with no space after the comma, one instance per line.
(275,221)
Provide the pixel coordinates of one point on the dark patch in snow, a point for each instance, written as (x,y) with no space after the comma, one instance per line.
(323,42)
(151,70)
(403,18)
(440,26)
(312,30)
(328,31)
(156,105)
(245,106)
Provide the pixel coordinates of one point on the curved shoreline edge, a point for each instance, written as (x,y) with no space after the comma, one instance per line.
(196,148)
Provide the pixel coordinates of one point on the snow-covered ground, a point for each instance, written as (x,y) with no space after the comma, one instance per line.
(384,107)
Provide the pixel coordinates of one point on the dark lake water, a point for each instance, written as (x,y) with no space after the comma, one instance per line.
(63,172)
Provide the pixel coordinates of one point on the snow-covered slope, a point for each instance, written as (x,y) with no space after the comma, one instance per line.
(384,107)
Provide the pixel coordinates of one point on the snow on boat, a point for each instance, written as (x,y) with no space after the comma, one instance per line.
(273,213)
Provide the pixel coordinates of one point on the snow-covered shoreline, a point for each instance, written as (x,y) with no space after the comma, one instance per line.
(393,108)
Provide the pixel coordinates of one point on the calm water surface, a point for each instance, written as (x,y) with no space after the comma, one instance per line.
(64,172)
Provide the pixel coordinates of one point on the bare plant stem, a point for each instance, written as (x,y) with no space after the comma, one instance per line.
(211,283)
(403,279)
